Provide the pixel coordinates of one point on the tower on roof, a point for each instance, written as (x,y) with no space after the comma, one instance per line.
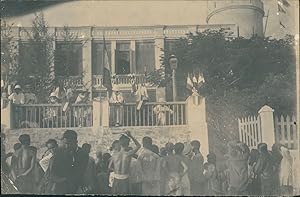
(246,14)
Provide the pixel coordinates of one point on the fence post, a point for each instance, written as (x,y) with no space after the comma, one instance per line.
(267,125)
(196,120)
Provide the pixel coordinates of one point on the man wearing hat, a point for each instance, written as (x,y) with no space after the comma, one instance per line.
(69,164)
(117,99)
(17,97)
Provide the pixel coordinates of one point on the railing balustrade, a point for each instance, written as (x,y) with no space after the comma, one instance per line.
(70,81)
(120,80)
(52,116)
(150,114)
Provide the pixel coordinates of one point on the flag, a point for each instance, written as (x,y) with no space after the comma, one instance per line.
(280,9)
(106,69)
(284,2)
(189,83)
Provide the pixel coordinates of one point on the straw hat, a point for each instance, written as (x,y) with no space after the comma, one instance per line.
(161,100)
(17,87)
(53,94)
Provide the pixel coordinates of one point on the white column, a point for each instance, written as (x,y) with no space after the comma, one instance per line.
(267,125)
(132,57)
(196,119)
(159,45)
(87,65)
(113,56)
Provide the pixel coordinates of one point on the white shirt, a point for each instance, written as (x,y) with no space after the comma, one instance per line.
(17,98)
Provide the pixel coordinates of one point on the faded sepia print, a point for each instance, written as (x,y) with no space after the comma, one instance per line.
(156,97)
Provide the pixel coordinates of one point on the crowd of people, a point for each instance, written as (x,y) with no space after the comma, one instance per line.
(143,169)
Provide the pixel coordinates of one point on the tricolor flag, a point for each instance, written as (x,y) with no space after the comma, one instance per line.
(284,3)
(189,83)
(106,69)
(280,9)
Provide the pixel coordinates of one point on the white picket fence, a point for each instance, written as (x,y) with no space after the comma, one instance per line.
(266,128)
(250,131)
(285,131)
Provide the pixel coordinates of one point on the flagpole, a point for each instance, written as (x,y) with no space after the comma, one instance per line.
(103,59)
(266,22)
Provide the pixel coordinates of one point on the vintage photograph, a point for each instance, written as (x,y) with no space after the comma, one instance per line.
(150,97)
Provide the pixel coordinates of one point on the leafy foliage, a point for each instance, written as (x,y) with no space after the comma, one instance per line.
(37,58)
(9,65)
(241,75)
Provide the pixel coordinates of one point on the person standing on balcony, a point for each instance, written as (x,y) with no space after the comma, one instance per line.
(17,97)
(52,112)
(4,100)
(118,101)
(30,97)
(120,163)
(82,113)
(141,95)
(161,111)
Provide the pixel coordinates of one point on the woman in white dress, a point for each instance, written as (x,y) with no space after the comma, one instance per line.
(286,172)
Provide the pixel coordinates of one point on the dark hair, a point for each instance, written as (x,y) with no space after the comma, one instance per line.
(169,147)
(17,146)
(86,147)
(254,154)
(24,139)
(212,158)
(163,152)
(114,144)
(195,144)
(147,142)
(124,141)
(70,135)
(33,148)
(52,141)
(262,147)
(179,148)
(155,149)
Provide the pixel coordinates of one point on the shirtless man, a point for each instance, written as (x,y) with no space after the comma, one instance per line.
(176,169)
(121,164)
(150,163)
(22,164)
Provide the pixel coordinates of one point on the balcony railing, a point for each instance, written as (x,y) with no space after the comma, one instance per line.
(52,116)
(119,79)
(128,115)
(70,81)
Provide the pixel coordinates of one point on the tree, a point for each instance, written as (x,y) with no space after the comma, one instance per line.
(36,59)
(240,75)
(38,63)
(9,65)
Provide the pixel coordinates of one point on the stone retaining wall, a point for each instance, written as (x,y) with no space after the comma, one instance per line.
(100,138)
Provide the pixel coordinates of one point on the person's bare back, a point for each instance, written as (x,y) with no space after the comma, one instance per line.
(173,163)
(24,157)
(121,163)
